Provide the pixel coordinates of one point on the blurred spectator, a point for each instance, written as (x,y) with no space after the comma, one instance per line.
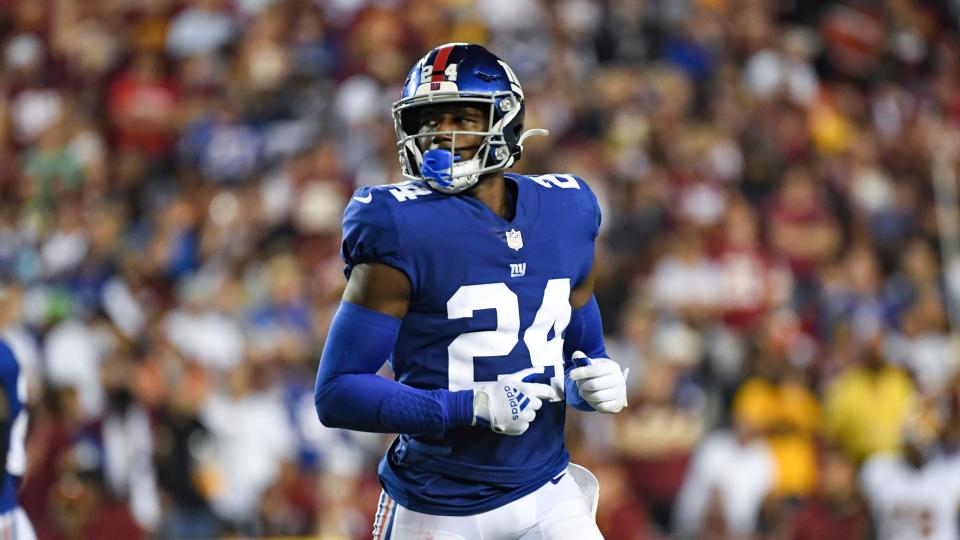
(788,414)
(80,509)
(142,104)
(222,146)
(339,516)
(73,354)
(282,323)
(51,168)
(785,70)
(252,438)
(866,406)
(730,476)
(754,282)
(124,437)
(202,28)
(835,511)
(802,226)
(664,422)
(624,518)
(200,331)
(289,506)
(686,281)
(184,454)
(34,103)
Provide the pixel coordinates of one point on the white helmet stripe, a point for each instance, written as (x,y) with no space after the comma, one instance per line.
(512,77)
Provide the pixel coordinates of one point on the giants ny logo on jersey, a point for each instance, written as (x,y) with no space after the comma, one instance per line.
(518,269)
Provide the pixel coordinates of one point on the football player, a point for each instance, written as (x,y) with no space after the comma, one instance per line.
(915,494)
(14,523)
(477,286)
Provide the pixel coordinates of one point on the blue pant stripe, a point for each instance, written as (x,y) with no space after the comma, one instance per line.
(390,519)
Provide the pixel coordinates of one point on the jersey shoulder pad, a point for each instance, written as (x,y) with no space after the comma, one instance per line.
(371,230)
(570,194)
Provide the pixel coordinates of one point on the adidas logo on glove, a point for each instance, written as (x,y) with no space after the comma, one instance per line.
(509,405)
(518,401)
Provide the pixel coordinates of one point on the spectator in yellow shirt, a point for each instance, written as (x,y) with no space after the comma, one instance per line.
(866,407)
(786,411)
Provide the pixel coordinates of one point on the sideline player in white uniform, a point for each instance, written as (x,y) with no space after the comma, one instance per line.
(915,495)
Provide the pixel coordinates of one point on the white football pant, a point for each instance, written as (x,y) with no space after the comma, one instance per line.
(557,511)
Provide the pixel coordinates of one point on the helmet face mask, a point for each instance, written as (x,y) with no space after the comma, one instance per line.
(472,77)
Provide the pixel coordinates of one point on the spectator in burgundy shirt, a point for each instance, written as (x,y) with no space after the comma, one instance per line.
(802,227)
(835,512)
(142,104)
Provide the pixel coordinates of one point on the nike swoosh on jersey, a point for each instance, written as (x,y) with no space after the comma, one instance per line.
(556,480)
(364,200)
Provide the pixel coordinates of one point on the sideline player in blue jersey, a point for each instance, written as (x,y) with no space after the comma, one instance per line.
(477,286)
(14,524)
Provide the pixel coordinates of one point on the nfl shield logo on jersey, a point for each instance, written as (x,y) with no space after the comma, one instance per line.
(514,240)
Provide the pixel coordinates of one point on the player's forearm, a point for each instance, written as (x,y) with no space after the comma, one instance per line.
(585,334)
(368,402)
(350,395)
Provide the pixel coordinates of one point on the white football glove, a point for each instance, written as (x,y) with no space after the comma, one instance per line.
(600,382)
(508,405)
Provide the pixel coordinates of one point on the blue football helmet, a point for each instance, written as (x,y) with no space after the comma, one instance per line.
(468,74)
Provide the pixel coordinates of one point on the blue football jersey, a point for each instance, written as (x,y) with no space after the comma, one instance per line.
(13,423)
(490,297)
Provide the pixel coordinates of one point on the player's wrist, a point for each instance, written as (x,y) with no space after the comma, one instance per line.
(460,407)
(481,409)
(600,382)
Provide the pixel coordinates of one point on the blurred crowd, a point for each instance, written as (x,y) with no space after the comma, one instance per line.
(173,174)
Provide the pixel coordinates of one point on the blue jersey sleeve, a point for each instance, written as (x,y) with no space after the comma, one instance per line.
(371,234)
(350,395)
(587,212)
(591,207)
(584,334)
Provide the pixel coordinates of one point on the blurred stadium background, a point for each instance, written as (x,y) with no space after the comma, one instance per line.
(779,259)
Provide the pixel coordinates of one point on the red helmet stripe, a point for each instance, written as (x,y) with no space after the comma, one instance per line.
(440,63)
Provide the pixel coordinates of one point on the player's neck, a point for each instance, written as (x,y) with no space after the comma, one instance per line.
(492,191)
